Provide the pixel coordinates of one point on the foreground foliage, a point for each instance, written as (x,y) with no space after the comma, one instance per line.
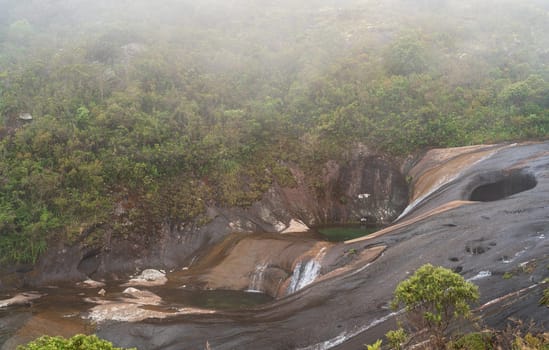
(434,298)
(545,297)
(520,336)
(77,342)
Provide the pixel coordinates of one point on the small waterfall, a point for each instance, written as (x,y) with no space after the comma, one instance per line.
(480,275)
(305,274)
(258,276)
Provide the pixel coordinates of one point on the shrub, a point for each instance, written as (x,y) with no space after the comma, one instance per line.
(397,338)
(433,298)
(545,298)
(77,342)
(531,342)
(374,346)
(473,341)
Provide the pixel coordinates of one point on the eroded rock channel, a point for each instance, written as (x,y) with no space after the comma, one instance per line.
(481,211)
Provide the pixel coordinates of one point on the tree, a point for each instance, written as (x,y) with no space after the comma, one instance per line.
(407,55)
(433,298)
(20,30)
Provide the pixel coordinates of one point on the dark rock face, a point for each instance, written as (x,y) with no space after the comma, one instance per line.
(60,264)
(372,188)
(366,186)
(480,240)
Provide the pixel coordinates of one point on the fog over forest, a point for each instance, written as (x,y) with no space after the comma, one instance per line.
(209,102)
(224,164)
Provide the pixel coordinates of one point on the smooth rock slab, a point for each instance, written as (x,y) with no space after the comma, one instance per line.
(296,226)
(21,299)
(148,277)
(89,283)
(140,305)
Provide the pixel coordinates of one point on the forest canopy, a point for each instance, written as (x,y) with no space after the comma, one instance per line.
(164,108)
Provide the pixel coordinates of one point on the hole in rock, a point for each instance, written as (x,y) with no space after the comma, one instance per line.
(90,262)
(500,186)
(475,250)
(504,259)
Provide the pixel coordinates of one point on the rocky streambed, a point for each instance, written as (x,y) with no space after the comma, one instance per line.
(243,273)
(482,211)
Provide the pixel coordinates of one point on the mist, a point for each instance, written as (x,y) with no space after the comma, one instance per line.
(137,133)
(316,32)
(127,99)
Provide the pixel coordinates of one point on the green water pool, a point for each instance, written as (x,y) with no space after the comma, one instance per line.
(345,232)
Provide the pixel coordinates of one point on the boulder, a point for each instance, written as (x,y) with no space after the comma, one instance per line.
(148,277)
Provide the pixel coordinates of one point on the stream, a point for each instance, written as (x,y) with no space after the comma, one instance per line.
(64,310)
(70,309)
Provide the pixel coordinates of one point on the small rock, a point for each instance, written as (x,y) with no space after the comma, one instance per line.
(296,226)
(130,291)
(89,283)
(25,116)
(148,277)
(20,299)
(151,275)
(102,292)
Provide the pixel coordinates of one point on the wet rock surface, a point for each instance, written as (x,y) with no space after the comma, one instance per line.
(20,299)
(346,305)
(136,305)
(349,309)
(261,263)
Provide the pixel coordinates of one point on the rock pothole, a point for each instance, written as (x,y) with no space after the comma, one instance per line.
(499,185)
(478,246)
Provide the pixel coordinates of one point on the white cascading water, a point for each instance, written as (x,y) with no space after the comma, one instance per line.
(258,276)
(343,337)
(305,274)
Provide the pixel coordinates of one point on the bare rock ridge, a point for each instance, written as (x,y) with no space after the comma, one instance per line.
(481,211)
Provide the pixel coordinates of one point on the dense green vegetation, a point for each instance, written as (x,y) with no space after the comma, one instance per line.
(77,342)
(145,115)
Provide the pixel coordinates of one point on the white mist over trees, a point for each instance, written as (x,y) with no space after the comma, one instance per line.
(166,107)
